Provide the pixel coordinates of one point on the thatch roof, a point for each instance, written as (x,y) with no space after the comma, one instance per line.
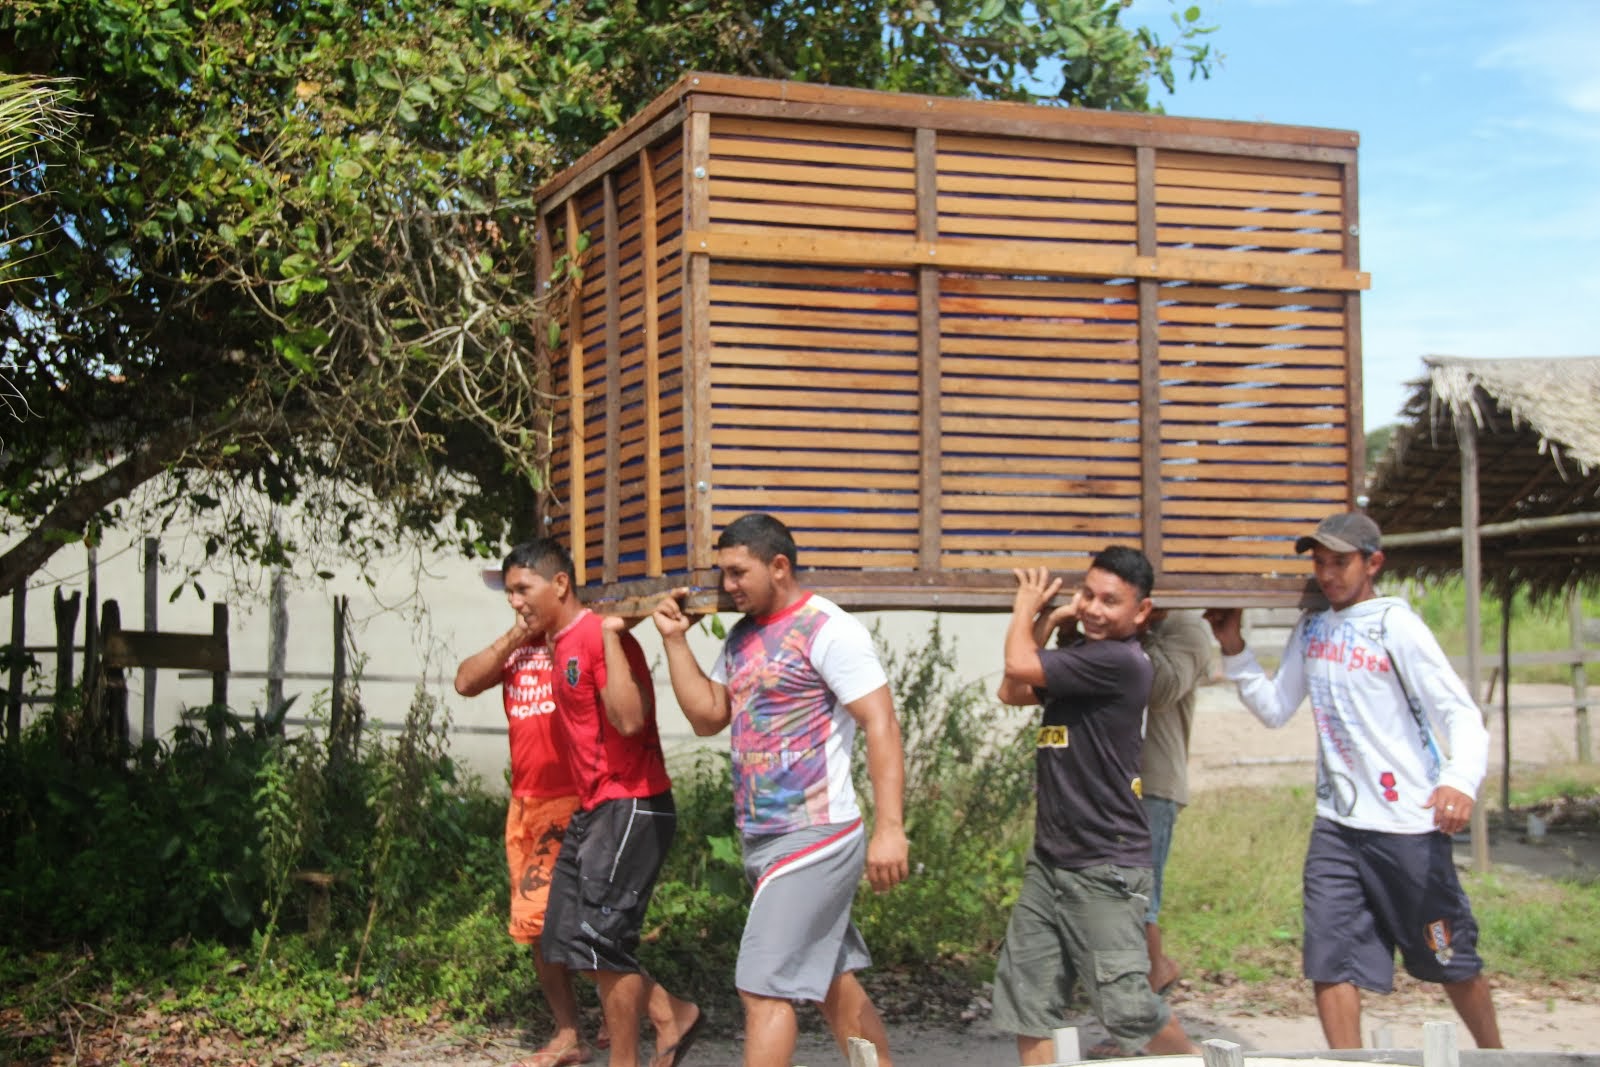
(1537,432)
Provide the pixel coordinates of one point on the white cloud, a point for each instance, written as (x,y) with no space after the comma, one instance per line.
(1556,56)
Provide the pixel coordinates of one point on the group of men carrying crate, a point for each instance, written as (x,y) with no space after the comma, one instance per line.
(591,814)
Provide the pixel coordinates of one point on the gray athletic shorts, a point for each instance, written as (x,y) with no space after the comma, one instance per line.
(1079,927)
(799,936)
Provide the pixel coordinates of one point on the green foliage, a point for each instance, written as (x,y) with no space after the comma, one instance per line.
(969,812)
(301,234)
(1536,626)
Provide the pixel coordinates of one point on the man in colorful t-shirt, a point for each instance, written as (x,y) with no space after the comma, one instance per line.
(1379,874)
(543,799)
(795,679)
(617,840)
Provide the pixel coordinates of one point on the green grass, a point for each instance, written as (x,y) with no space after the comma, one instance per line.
(1535,627)
(1231,903)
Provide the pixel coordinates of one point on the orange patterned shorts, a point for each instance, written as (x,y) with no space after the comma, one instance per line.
(534,826)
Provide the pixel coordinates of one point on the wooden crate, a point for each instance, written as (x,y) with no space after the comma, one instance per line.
(945,338)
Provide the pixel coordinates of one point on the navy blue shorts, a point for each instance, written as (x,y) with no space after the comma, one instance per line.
(1368,893)
(600,889)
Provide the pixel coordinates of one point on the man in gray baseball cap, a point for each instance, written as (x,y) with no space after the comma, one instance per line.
(1350,531)
(1379,874)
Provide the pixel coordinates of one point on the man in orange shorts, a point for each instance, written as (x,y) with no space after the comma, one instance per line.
(543,799)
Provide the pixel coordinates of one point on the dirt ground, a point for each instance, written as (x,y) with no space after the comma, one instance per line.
(1230,749)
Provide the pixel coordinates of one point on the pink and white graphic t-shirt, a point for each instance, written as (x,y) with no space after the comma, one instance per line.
(789,677)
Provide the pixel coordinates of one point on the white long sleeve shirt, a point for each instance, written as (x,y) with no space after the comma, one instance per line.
(1378,760)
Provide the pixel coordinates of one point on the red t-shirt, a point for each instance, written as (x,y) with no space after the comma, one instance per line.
(604,764)
(538,768)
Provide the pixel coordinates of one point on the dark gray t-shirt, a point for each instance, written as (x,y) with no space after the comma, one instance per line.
(1094,700)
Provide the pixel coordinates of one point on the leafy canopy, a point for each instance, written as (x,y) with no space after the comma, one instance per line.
(289,257)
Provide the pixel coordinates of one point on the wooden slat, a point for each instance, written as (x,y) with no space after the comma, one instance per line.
(1224,394)
(953,148)
(1123,523)
(823,318)
(773,478)
(1287,454)
(1331,413)
(889,340)
(1213,163)
(809,152)
(822,420)
(1255,490)
(732,126)
(834,299)
(1041,484)
(798,359)
(1026,258)
(902,506)
(974,227)
(805,216)
(814,174)
(1176,429)
(1245,335)
(842,402)
(1249,316)
(851,459)
(1172,235)
(773,194)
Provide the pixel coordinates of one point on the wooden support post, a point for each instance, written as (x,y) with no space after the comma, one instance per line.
(1439,1045)
(19,635)
(698,490)
(1505,704)
(1355,417)
(1580,674)
(611,491)
(543,266)
(577,484)
(1472,574)
(1215,1052)
(651,268)
(1149,366)
(219,633)
(930,503)
(152,561)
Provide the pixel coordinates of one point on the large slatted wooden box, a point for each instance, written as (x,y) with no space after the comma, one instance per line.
(942,339)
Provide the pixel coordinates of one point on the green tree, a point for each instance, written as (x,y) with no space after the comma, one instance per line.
(288,255)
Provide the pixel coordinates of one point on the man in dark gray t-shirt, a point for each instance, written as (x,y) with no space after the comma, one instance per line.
(1080,916)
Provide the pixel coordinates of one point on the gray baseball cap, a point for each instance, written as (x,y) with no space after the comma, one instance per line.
(1349,532)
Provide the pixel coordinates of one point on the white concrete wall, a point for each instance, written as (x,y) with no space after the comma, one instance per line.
(418,619)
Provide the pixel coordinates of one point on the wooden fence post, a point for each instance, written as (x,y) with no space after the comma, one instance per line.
(66,608)
(19,626)
(111,705)
(1580,673)
(91,620)
(152,556)
(277,639)
(336,712)
(219,630)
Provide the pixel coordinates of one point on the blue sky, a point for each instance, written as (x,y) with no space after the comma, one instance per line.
(1479,165)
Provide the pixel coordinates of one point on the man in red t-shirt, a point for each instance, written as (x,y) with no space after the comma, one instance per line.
(619,836)
(543,799)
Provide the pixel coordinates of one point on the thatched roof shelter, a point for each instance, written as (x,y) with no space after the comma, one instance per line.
(1535,426)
